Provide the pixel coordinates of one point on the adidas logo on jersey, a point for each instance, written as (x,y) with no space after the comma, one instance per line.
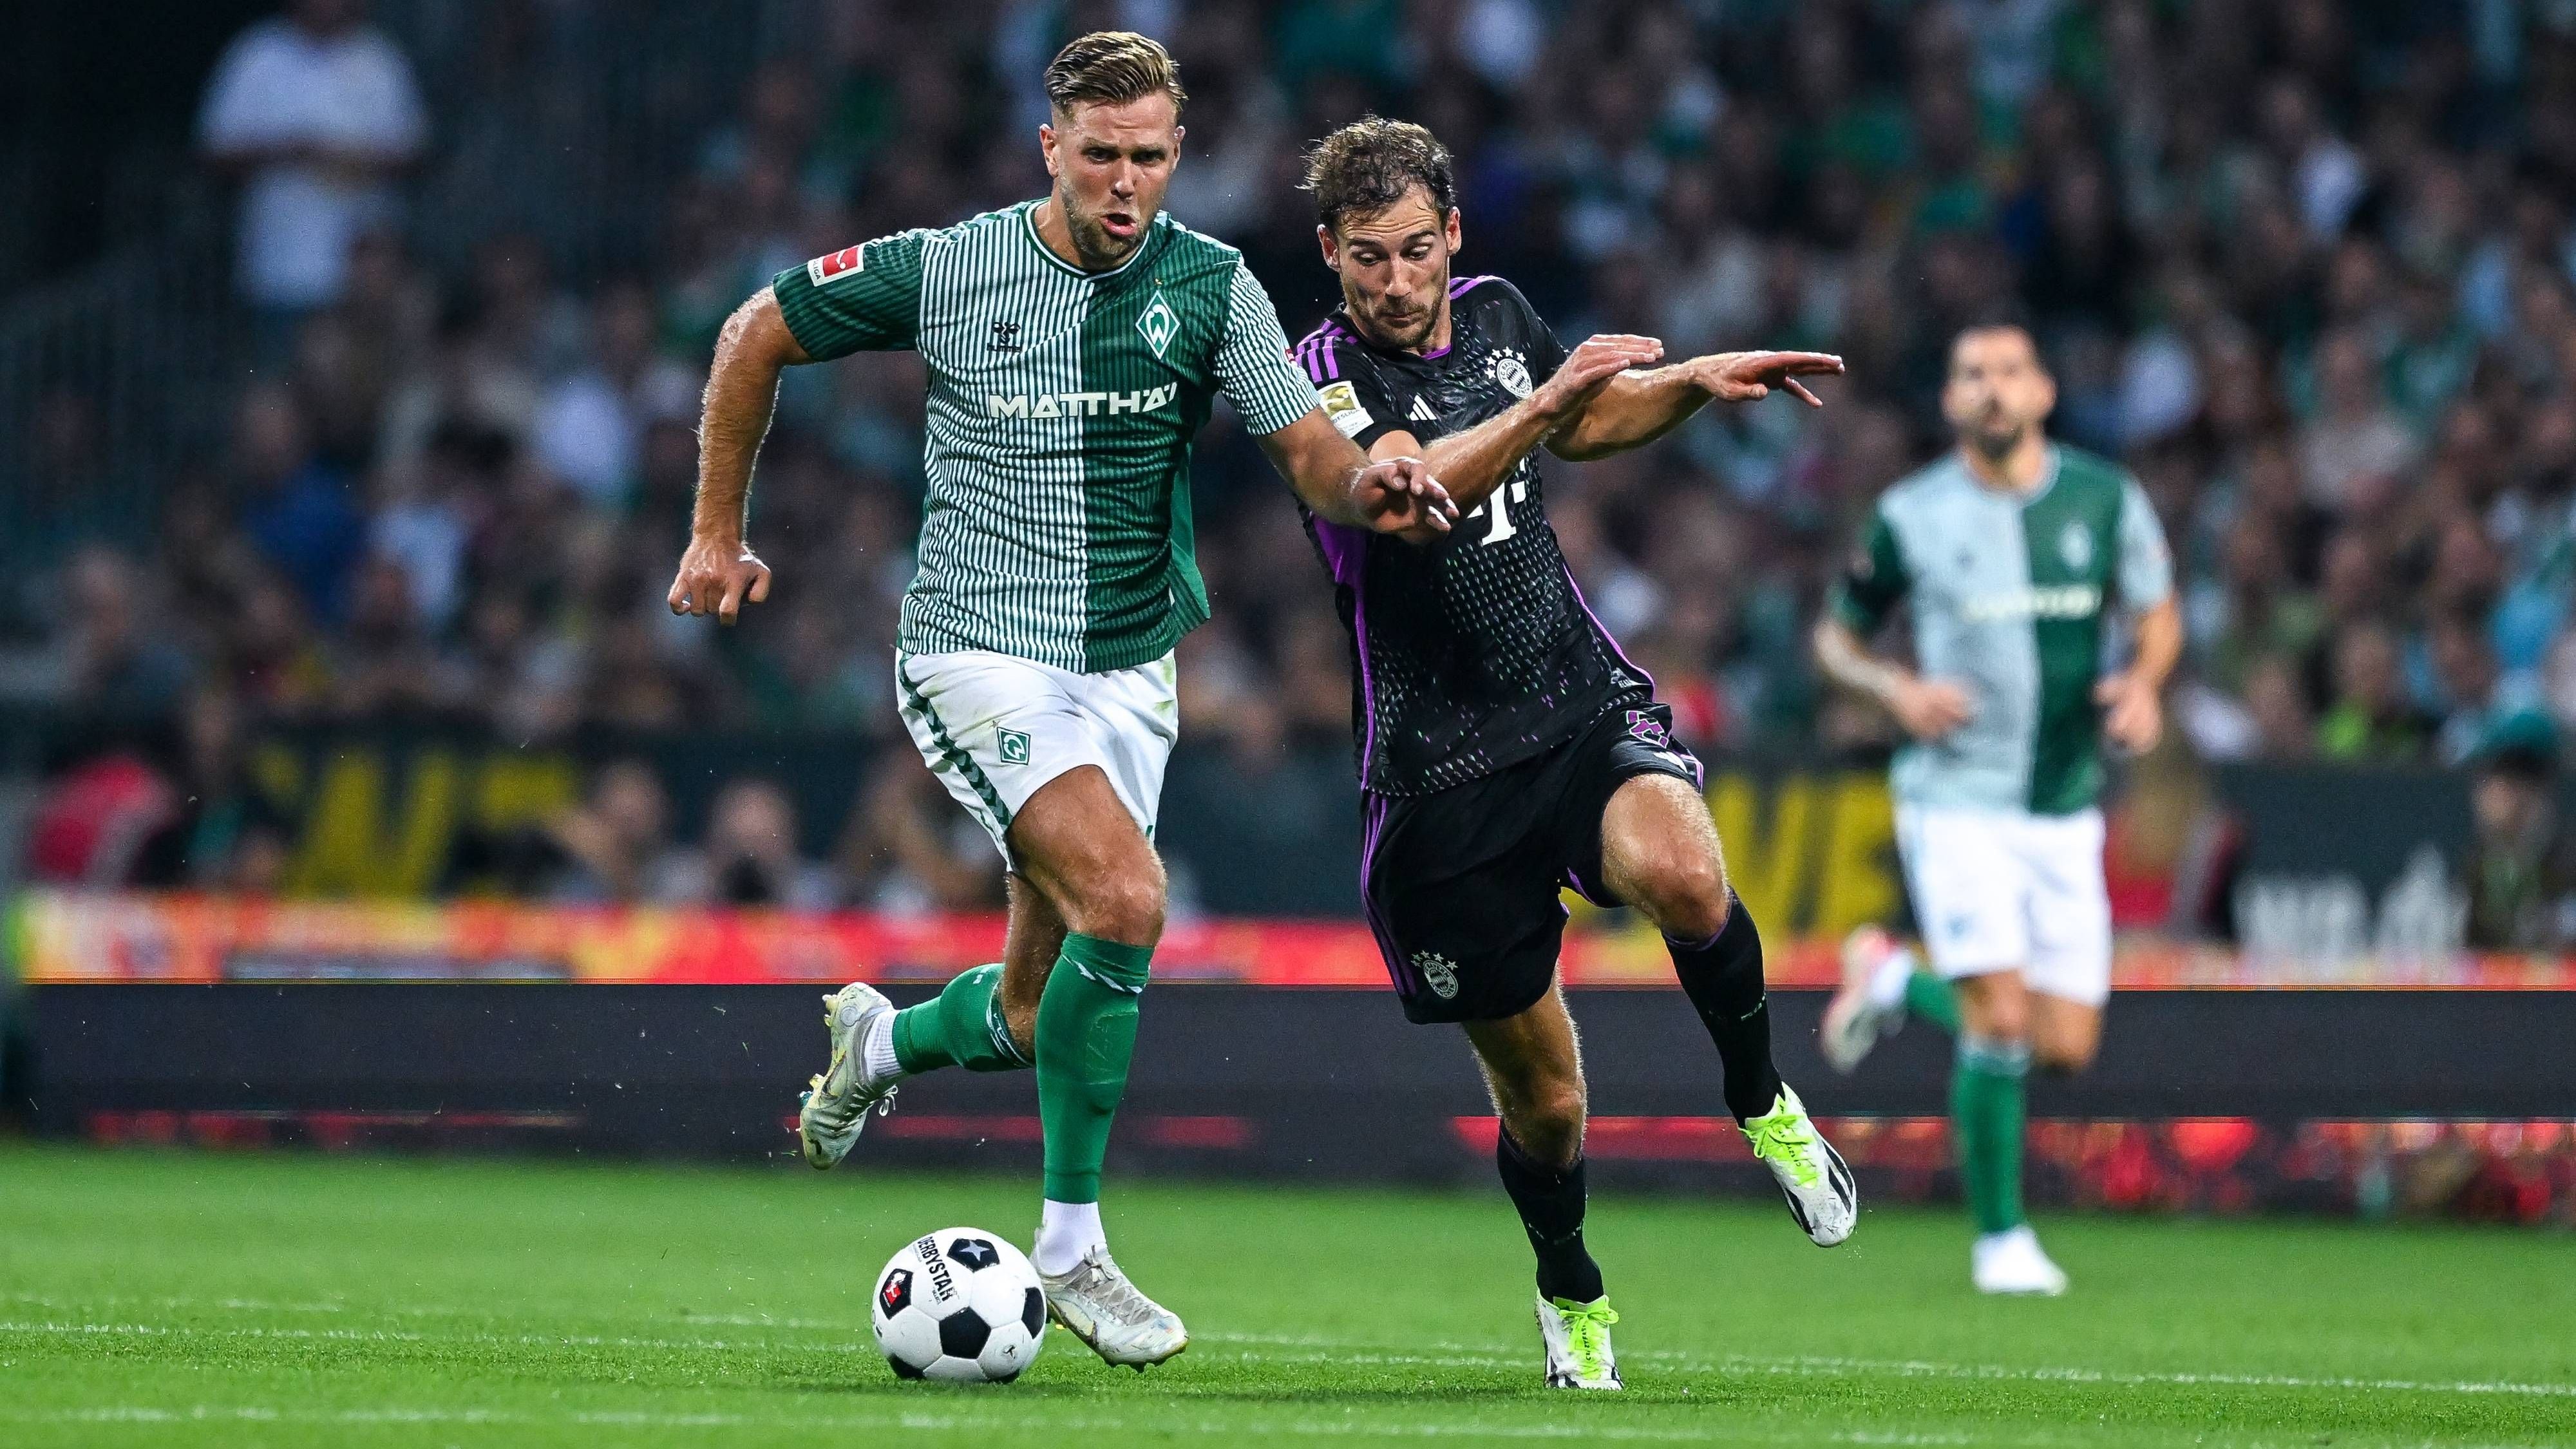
(1082,404)
(1422,412)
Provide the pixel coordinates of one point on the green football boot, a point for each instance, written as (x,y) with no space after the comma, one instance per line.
(1811,1174)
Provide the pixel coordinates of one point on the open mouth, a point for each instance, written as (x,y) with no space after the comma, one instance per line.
(1118,223)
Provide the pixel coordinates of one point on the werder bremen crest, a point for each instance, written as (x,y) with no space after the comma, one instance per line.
(1158,324)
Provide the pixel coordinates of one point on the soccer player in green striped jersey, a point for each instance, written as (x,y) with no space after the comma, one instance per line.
(2012,553)
(1075,344)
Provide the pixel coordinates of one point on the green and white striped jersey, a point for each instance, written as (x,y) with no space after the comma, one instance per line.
(1062,408)
(2008,598)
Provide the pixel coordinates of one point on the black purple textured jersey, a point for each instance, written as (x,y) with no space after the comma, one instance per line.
(1474,652)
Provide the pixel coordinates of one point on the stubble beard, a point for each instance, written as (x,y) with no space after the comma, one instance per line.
(1091,241)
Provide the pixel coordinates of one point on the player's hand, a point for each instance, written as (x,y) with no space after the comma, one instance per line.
(1929,708)
(718,576)
(2132,715)
(1399,495)
(1745,376)
(1589,368)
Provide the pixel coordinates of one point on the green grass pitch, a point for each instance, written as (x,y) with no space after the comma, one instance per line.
(154,1298)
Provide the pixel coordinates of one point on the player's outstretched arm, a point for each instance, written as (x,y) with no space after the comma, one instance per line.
(1637,408)
(1472,464)
(1331,476)
(719,572)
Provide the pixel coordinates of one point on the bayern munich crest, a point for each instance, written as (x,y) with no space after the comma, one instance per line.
(1438,972)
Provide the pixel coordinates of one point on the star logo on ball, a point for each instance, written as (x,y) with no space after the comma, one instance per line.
(973,1253)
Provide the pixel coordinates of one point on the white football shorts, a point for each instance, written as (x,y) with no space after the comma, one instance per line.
(995,728)
(1999,889)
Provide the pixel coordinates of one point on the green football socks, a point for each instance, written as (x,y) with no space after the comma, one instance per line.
(1987,1115)
(960,1027)
(1930,998)
(1086,1034)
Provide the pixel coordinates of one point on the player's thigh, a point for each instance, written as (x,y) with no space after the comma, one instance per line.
(1660,852)
(1994,1005)
(1460,887)
(1969,888)
(1077,843)
(1533,1066)
(2069,971)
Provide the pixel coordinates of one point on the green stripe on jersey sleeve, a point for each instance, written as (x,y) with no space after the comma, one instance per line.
(1252,361)
(864,298)
(1876,580)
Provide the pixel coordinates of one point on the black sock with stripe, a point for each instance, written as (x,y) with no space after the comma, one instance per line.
(1723,977)
(1550,1203)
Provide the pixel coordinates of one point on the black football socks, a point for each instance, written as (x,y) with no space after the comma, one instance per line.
(1550,1203)
(1723,976)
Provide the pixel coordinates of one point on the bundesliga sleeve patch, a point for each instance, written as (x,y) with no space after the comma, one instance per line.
(1342,405)
(847,262)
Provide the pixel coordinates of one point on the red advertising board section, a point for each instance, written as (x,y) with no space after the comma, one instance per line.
(69,937)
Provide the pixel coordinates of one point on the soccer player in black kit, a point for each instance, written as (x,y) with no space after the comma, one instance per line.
(1507,747)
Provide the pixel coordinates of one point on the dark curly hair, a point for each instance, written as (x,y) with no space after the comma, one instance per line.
(1371,163)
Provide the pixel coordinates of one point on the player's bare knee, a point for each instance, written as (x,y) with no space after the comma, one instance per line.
(1126,907)
(1548,1124)
(1684,893)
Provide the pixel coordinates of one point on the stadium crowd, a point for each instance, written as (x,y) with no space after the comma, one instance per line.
(2309,268)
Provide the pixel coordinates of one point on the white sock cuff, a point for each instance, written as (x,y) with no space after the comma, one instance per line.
(876,1049)
(1066,1231)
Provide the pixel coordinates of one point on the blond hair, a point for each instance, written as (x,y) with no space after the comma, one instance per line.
(1112,67)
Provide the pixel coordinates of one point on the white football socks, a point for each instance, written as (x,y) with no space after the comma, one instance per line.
(876,1050)
(1067,1231)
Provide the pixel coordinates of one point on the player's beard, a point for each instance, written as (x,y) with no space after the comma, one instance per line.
(1091,240)
(1413,336)
(1996,441)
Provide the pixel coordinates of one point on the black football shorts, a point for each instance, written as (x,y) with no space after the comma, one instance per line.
(1461,885)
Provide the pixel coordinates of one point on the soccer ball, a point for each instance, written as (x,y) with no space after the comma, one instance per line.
(961,1305)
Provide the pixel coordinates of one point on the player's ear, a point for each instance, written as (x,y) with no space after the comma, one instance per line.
(2047,393)
(1332,249)
(1453,231)
(1046,146)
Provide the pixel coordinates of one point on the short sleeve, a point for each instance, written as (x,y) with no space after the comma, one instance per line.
(864,298)
(1347,386)
(2146,566)
(1546,353)
(1252,363)
(1875,580)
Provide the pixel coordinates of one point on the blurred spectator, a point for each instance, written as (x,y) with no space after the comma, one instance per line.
(224,833)
(2522,879)
(299,511)
(617,843)
(2371,720)
(908,848)
(750,856)
(315,111)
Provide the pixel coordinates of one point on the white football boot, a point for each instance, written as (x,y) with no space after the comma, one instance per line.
(1864,1009)
(1577,1336)
(2011,1262)
(1097,1304)
(1811,1174)
(835,1105)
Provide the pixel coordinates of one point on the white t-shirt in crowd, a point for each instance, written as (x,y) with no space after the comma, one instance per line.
(278,85)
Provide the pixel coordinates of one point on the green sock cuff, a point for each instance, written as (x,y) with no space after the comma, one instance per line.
(916,1037)
(1113,964)
(1933,999)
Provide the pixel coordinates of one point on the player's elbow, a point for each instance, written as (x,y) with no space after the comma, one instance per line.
(757,335)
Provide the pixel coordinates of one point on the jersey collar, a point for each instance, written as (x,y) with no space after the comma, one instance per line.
(1029,227)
